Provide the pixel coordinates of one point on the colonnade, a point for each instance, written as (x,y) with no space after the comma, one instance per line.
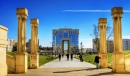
(21,55)
(118,62)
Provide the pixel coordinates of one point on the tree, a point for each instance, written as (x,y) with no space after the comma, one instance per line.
(96,33)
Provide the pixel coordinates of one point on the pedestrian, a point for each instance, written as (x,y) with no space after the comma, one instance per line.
(71,56)
(62,55)
(59,57)
(67,56)
(80,57)
(96,60)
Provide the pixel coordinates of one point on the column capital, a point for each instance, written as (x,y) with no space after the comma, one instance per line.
(117,12)
(102,21)
(22,11)
(34,21)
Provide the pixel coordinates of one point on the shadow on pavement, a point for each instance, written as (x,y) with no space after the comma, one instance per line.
(89,69)
(108,73)
(99,74)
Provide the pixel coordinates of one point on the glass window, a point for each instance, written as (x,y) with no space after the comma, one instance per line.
(66,35)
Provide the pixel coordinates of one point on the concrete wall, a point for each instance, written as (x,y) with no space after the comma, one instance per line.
(11,63)
(127,63)
(3,45)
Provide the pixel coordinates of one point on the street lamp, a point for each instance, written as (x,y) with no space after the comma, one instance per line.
(81,47)
(52,48)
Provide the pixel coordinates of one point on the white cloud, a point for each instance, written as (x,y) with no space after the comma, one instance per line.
(91,11)
(125,37)
(87,42)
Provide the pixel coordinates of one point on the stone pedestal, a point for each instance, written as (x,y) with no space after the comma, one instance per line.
(3,45)
(34,61)
(21,62)
(103,60)
(118,62)
(3,64)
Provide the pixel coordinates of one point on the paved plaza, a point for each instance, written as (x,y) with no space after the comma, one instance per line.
(68,68)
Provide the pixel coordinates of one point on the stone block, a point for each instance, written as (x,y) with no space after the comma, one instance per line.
(102,20)
(11,63)
(21,62)
(127,63)
(118,62)
(3,45)
(103,60)
(34,61)
(34,21)
(117,11)
(22,11)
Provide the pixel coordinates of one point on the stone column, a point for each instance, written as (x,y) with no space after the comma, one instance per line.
(3,45)
(21,55)
(103,51)
(118,55)
(34,56)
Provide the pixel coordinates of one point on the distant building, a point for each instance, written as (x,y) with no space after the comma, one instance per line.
(12,45)
(28,45)
(126,44)
(65,34)
(94,45)
(110,46)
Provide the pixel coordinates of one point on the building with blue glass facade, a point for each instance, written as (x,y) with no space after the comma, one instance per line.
(65,37)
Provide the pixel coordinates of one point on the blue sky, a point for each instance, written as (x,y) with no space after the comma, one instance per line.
(77,14)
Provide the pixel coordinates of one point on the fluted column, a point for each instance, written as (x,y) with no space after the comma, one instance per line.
(21,55)
(102,26)
(103,52)
(118,55)
(34,56)
(21,32)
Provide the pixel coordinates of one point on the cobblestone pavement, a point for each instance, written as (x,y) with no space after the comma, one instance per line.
(68,68)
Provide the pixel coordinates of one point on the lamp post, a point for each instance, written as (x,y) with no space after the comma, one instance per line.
(52,48)
(81,47)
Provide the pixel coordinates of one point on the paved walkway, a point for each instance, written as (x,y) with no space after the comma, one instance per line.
(65,64)
(68,68)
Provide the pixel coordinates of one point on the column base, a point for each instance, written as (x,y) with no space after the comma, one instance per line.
(21,62)
(118,63)
(34,61)
(103,60)
(3,69)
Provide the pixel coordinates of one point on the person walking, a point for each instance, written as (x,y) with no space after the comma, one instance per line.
(59,57)
(96,60)
(62,55)
(67,56)
(71,56)
(81,58)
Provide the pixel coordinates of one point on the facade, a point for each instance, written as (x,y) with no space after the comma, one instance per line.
(94,45)
(126,44)
(12,44)
(110,46)
(65,34)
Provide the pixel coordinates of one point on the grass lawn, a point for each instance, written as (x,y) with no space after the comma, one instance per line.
(11,53)
(42,59)
(90,58)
